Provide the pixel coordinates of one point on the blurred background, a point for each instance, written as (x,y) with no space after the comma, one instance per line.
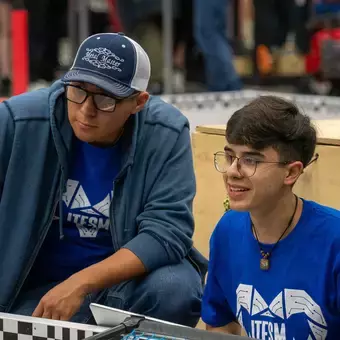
(194,45)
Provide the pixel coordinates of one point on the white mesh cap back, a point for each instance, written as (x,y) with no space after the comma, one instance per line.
(140,80)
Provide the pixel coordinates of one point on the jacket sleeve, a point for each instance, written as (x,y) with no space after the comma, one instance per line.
(6,142)
(215,310)
(166,225)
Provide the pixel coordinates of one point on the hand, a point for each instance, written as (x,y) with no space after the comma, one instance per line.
(62,301)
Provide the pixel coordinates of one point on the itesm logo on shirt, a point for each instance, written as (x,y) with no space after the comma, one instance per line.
(88,218)
(287,316)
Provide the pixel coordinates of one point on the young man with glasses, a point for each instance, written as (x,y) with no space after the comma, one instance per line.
(96,190)
(274,267)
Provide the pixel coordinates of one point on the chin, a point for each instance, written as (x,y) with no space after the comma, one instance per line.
(239,205)
(84,137)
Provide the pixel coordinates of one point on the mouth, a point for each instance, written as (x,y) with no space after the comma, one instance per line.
(86,126)
(236,191)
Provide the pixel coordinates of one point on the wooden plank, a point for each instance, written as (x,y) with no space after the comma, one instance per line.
(208,203)
(212,129)
(285,65)
(328,131)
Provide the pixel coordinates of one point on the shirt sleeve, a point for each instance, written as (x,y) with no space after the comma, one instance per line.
(216,311)
(336,273)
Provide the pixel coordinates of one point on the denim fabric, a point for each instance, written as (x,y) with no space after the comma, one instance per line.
(171,293)
(210,34)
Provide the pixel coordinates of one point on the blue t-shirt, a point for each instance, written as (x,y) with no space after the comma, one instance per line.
(86,225)
(297,298)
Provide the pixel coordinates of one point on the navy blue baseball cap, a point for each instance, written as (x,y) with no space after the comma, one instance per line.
(113,62)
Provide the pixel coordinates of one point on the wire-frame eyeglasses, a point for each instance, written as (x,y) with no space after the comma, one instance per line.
(246,165)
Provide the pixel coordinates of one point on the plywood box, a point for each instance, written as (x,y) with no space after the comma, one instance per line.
(285,65)
(320,182)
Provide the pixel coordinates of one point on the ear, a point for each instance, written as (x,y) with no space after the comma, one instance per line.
(294,170)
(141,99)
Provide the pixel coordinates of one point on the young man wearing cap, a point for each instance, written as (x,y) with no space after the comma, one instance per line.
(96,190)
(274,266)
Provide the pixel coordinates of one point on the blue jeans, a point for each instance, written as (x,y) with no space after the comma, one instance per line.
(210,35)
(171,293)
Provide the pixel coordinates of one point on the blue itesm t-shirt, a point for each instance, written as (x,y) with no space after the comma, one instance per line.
(86,224)
(297,298)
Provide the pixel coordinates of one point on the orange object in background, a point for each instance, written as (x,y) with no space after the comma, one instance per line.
(264,60)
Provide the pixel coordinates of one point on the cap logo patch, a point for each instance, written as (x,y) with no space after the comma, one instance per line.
(72,74)
(103,58)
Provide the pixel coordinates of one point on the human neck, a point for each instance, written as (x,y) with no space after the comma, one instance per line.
(109,143)
(271,222)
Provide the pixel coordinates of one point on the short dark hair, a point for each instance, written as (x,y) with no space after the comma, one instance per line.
(270,121)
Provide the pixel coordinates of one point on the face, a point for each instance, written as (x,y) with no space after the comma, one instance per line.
(99,127)
(249,190)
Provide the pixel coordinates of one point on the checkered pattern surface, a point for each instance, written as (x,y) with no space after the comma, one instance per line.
(225,100)
(216,108)
(12,329)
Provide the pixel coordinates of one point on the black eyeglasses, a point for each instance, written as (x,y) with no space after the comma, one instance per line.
(246,165)
(102,102)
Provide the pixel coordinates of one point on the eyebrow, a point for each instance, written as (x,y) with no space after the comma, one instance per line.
(82,86)
(246,153)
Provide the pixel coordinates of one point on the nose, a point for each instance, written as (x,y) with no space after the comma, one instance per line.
(88,108)
(233,170)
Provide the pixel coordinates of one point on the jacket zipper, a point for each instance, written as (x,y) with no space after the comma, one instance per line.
(35,253)
(112,220)
(111,213)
